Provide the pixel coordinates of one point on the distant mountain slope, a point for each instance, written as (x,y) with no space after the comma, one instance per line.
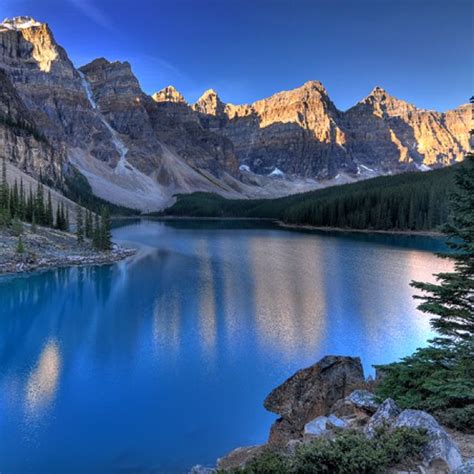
(138,151)
(407,201)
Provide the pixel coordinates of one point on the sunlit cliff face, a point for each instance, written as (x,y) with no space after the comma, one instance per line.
(44,50)
(43,47)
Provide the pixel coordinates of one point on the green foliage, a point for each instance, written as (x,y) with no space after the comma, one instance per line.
(105,242)
(440,378)
(17,227)
(349,453)
(20,248)
(79,224)
(270,462)
(409,201)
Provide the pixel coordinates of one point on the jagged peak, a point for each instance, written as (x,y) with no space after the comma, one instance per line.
(20,23)
(103,63)
(377,91)
(168,94)
(317,85)
(209,93)
(209,103)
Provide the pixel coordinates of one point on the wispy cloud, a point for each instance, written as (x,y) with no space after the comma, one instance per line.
(93,13)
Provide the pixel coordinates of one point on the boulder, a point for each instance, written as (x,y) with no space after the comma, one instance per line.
(466,467)
(310,393)
(441,453)
(361,403)
(386,414)
(323,426)
(239,457)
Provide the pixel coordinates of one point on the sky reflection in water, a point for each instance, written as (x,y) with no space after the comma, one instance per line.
(163,361)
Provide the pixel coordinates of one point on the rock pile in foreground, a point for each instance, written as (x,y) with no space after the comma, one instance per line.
(326,399)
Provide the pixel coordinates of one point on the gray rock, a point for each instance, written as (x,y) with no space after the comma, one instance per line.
(198,469)
(322,425)
(441,451)
(357,407)
(364,400)
(467,467)
(385,415)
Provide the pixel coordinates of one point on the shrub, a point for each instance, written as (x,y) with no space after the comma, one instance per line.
(350,453)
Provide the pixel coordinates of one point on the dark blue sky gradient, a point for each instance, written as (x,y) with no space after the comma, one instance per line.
(418,50)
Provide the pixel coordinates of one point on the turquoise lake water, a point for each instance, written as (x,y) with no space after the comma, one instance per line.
(162,361)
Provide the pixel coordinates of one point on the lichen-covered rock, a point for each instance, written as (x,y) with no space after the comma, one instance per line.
(385,415)
(310,393)
(440,452)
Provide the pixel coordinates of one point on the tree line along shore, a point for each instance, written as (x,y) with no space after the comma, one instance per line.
(34,234)
(409,202)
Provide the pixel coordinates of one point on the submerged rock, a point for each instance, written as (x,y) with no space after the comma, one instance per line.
(310,393)
(440,453)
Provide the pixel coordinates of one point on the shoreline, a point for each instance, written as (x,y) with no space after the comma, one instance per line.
(47,248)
(18,266)
(421,233)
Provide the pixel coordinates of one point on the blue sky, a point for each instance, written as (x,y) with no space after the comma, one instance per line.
(418,50)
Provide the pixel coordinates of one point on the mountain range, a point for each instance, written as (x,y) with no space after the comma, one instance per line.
(138,150)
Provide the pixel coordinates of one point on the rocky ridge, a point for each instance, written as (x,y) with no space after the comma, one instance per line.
(301,132)
(138,150)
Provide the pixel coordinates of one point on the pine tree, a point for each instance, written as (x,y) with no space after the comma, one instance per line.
(22,203)
(451,299)
(14,199)
(59,218)
(39,205)
(79,224)
(105,235)
(440,377)
(66,221)
(20,248)
(88,227)
(49,212)
(33,221)
(4,197)
(96,237)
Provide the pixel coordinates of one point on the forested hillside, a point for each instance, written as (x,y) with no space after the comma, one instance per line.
(409,201)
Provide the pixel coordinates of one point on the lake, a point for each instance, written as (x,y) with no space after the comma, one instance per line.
(162,361)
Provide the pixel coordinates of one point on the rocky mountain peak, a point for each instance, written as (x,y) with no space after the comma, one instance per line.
(209,103)
(26,37)
(168,94)
(381,103)
(315,86)
(19,23)
(112,78)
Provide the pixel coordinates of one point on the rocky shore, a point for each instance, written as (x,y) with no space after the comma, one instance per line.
(47,248)
(331,399)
